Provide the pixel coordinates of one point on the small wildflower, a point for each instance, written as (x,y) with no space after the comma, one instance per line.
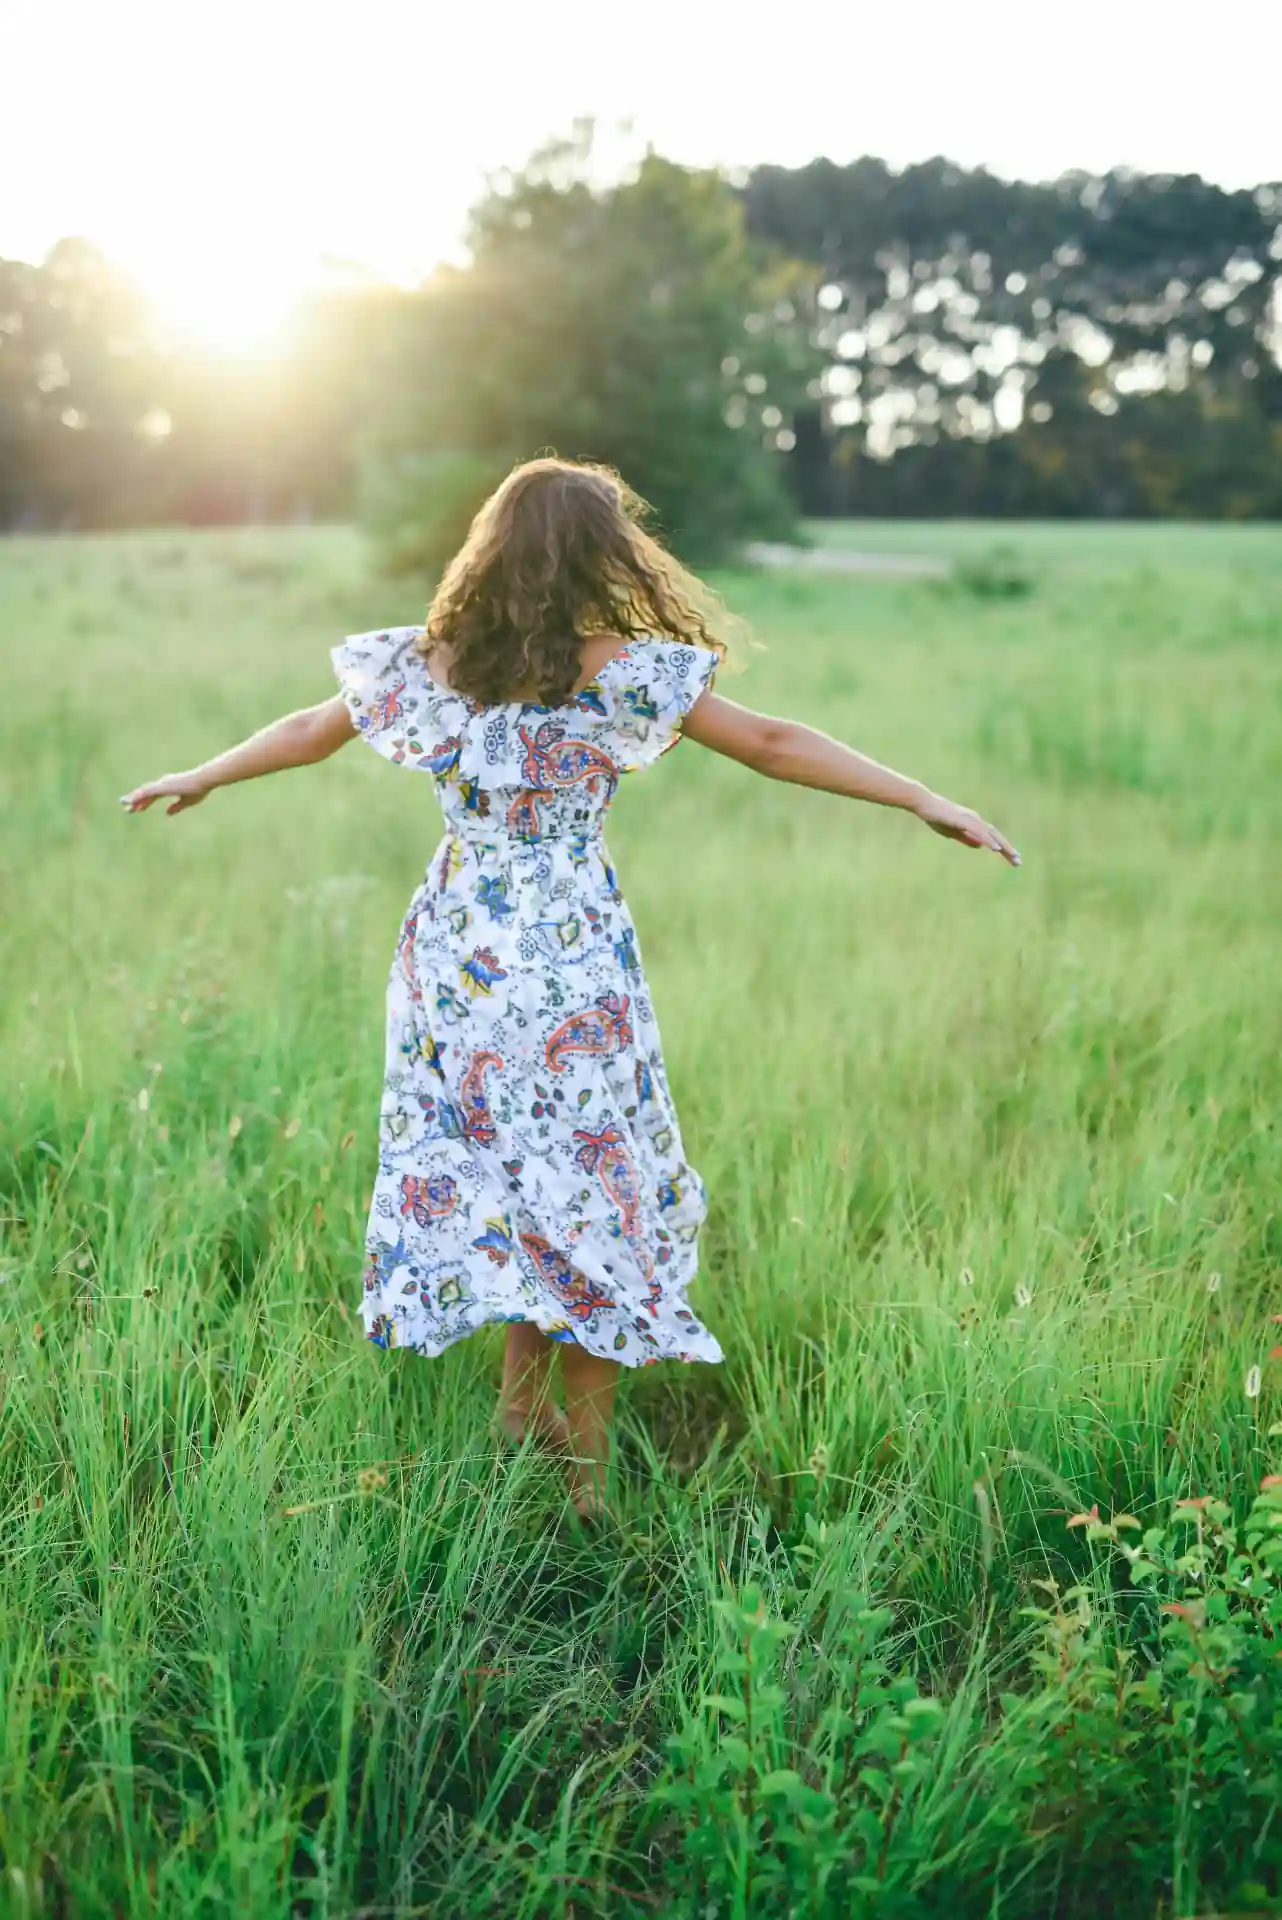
(1251,1385)
(144,1099)
(157,1068)
(370,1479)
(234,1126)
(818,1462)
(1023,1296)
(1213,1282)
(1195,1503)
(37,1333)
(151,1293)
(292,1126)
(1194,1611)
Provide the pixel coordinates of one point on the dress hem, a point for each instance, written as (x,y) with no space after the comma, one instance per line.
(561,1334)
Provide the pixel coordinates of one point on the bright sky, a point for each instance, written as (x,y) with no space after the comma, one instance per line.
(219,151)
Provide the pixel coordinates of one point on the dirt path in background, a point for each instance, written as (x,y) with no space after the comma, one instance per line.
(763,553)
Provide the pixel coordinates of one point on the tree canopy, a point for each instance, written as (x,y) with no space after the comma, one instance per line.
(934,340)
(634,325)
(1043,348)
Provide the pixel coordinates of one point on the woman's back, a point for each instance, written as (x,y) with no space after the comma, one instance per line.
(521,773)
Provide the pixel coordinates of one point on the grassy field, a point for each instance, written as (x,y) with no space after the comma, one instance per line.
(995,1239)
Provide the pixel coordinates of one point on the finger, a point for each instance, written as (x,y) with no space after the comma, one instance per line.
(137,802)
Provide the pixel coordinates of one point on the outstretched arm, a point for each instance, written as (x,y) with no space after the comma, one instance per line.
(788,750)
(299,740)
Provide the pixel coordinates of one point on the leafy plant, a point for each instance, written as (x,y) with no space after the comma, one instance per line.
(1149,1750)
(790,1791)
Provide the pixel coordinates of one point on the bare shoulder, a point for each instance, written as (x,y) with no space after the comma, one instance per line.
(598,652)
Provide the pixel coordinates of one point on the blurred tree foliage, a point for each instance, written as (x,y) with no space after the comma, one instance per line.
(1098,345)
(629,324)
(934,341)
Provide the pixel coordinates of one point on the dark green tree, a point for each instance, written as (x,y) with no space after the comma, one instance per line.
(635,324)
(952,300)
(76,381)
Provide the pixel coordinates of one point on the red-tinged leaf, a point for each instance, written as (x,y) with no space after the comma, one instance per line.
(1128,1520)
(1202,1500)
(1194,1614)
(1270,1481)
(1085,1519)
(1275,1353)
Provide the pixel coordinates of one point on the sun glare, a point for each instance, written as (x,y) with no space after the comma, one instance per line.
(240,308)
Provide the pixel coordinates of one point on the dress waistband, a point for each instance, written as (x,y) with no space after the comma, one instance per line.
(480,836)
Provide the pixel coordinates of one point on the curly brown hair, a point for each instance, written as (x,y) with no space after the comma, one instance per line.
(558,556)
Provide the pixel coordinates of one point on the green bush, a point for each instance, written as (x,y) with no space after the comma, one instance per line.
(998,574)
(1136,1756)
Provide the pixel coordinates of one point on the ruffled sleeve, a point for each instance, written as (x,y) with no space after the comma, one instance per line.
(657,684)
(389,693)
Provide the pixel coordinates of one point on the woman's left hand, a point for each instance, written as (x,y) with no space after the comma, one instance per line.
(962,823)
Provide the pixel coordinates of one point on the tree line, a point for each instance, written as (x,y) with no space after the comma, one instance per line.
(824,340)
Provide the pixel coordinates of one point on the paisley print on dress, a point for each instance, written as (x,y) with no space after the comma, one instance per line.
(531,1165)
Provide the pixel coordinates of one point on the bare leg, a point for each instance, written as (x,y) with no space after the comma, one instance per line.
(589,1400)
(525,1398)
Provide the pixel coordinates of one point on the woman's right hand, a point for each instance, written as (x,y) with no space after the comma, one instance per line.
(962,823)
(183,789)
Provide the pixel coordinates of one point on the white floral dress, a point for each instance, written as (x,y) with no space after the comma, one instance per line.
(530,1162)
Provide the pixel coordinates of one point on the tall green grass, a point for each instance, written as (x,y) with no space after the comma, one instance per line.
(995,1235)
